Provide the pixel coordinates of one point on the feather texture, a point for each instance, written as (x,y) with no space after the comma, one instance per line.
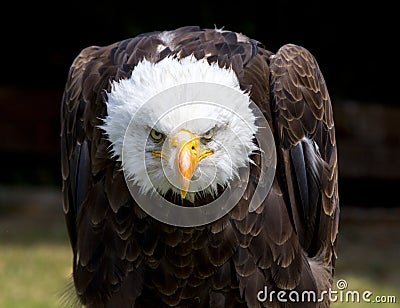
(125,258)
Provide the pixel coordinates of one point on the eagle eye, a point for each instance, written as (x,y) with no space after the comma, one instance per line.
(208,136)
(156,136)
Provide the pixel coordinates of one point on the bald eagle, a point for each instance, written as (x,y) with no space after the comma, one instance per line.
(199,170)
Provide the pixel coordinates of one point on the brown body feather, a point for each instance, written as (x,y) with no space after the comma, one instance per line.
(125,258)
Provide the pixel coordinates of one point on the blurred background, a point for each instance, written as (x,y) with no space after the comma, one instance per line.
(354,46)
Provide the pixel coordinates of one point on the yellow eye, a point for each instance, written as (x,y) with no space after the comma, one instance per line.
(207,136)
(156,136)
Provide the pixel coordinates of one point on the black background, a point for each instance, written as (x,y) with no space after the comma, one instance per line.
(353,43)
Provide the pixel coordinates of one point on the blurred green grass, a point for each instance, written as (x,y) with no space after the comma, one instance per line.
(369,254)
(34,276)
(35,255)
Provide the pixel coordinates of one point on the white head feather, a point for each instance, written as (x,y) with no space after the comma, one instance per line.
(176,94)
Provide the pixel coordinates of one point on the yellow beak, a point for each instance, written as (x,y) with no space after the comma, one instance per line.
(186,162)
(187,158)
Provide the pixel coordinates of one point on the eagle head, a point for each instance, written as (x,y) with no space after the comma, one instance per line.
(180,125)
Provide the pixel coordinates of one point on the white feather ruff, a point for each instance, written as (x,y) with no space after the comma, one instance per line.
(179,94)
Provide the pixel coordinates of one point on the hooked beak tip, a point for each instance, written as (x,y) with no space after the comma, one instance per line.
(183,194)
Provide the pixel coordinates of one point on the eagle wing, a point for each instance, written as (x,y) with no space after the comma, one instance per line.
(307,152)
(289,242)
(94,189)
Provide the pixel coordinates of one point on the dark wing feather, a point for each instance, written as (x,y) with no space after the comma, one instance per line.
(307,149)
(93,190)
